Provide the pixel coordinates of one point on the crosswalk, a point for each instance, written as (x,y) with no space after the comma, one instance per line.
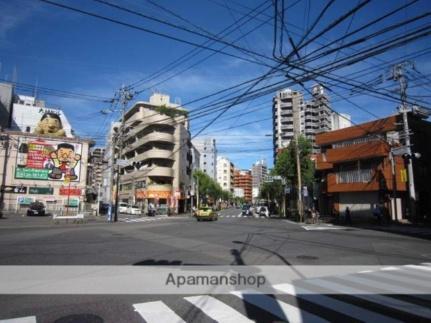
(296,302)
(242,216)
(148,219)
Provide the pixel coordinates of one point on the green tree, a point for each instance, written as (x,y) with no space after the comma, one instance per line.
(285,165)
(208,187)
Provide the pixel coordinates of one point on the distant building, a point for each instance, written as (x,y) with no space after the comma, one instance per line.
(225,173)
(259,171)
(292,116)
(238,192)
(243,180)
(95,169)
(208,156)
(6,101)
(340,121)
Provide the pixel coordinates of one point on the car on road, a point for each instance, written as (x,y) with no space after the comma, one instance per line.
(206,213)
(263,211)
(36,208)
(122,207)
(134,210)
(247,210)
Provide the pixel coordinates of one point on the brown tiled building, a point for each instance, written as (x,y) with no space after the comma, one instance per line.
(243,179)
(356,170)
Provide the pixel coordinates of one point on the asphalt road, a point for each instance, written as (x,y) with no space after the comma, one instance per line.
(232,240)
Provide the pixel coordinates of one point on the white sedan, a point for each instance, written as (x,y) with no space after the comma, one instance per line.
(134,210)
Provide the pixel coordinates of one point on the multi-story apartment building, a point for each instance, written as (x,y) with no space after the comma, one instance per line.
(157,148)
(225,173)
(292,115)
(244,180)
(208,156)
(259,172)
(357,170)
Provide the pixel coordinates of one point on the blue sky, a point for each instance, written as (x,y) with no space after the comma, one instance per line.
(60,49)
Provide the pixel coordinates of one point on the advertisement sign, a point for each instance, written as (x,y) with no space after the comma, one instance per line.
(144,194)
(70,191)
(41,190)
(73,202)
(14,189)
(24,200)
(50,160)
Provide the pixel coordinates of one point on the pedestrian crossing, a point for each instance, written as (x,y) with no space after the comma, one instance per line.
(298,302)
(242,216)
(148,219)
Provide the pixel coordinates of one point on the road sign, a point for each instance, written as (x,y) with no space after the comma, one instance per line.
(122,162)
(399,151)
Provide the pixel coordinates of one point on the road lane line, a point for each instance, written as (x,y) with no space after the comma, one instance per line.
(217,310)
(27,319)
(155,312)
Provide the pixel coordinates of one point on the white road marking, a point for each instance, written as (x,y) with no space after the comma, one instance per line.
(375,298)
(155,312)
(278,308)
(334,304)
(27,319)
(217,310)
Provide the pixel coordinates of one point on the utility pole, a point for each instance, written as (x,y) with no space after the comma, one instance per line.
(398,75)
(5,142)
(298,170)
(125,97)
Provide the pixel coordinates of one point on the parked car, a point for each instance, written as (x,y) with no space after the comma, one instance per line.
(134,210)
(263,211)
(36,208)
(122,207)
(206,213)
(247,210)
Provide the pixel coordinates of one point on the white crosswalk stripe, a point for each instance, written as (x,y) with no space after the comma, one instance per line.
(278,308)
(217,310)
(334,304)
(156,312)
(27,319)
(376,298)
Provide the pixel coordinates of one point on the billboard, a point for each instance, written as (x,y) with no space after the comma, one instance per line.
(49,160)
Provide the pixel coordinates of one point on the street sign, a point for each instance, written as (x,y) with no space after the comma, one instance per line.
(122,162)
(399,151)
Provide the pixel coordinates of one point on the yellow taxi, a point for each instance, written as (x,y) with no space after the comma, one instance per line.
(206,213)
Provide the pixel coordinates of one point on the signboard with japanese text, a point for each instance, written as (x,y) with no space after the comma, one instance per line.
(41,190)
(14,189)
(50,160)
(25,200)
(70,191)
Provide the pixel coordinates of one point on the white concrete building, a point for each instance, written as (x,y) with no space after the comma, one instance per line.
(292,115)
(157,148)
(208,156)
(340,121)
(259,172)
(225,173)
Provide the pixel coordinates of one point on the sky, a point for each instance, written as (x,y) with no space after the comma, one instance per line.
(56,48)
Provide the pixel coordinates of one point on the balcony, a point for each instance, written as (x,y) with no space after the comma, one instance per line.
(354,176)
(159,171)
(149,119)
(153,136)
(154,153)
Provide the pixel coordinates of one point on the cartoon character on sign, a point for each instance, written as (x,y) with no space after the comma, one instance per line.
(65,160)
(50,124)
